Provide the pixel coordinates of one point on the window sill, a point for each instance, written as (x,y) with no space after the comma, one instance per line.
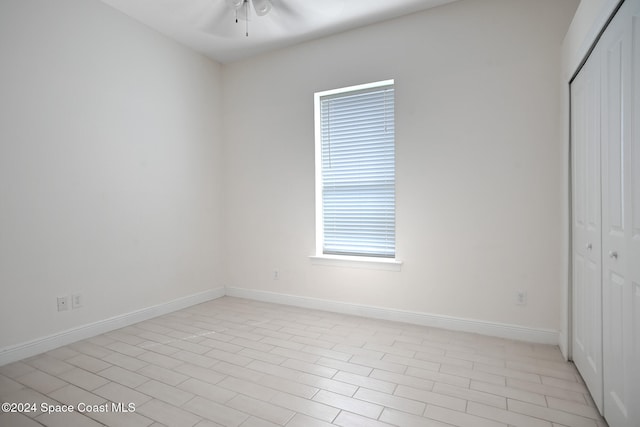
(371,263)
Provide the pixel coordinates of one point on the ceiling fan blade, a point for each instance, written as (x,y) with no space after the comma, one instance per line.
(304,11)
(284,9)
(218,19)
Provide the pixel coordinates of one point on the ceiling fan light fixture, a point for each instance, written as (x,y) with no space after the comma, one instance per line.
(262,7)
(236,4)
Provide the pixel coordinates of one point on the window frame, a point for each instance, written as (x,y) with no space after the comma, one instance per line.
(320,258)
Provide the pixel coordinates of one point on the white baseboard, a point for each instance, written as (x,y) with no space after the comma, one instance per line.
(521,333)
(40,345)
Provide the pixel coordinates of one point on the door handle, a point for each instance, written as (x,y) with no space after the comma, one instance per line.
(589,246)
(613,254)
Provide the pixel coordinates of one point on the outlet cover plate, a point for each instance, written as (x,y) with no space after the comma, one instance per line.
(77,301)
(63,303)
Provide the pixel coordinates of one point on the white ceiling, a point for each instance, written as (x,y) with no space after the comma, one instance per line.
(209,26)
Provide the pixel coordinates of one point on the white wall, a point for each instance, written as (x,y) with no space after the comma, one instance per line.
(110,167)
(479,166)
(114,181)
(588,21)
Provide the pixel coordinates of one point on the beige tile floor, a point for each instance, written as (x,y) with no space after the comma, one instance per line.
(235,362)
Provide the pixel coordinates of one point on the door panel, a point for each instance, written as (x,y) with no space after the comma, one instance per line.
(620,248)
(587,271)
(634,143)
(612,133)
(616,399)
(632,212)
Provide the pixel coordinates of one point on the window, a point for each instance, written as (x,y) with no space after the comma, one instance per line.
(355,171)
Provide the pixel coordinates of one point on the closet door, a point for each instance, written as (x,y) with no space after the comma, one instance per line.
(633,212)
(587,272)
(621,216)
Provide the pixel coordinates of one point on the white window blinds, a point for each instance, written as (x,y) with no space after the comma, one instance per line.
(357,133)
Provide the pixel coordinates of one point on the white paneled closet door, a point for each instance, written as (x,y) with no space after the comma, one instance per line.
(621,216)
(587,262)
(633,210)
(605,99)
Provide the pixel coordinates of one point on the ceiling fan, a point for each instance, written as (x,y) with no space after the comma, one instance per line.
(241,7)
(273,19)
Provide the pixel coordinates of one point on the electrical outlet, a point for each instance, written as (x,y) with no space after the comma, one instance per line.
(76,301)
(521,298)
(276,274)
(63,303)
